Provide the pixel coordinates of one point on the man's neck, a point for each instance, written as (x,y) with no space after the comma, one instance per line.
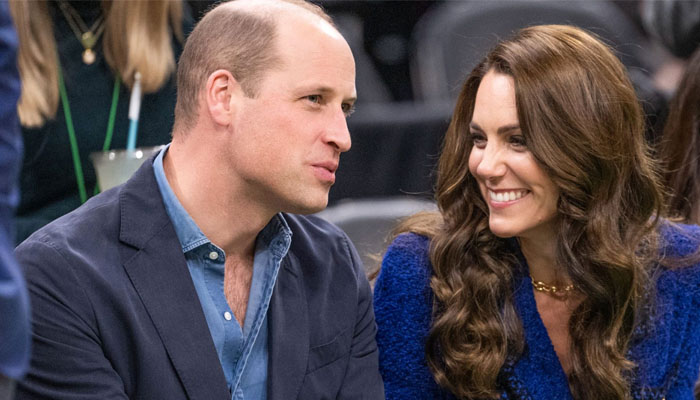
(211,198)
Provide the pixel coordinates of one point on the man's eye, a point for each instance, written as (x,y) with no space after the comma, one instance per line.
(348,109)
(314,98)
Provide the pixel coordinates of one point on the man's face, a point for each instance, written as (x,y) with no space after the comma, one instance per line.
(287,140)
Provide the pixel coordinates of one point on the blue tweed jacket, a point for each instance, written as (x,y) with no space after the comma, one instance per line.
(666,350)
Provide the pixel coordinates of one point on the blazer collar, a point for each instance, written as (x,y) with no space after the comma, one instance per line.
(154,261)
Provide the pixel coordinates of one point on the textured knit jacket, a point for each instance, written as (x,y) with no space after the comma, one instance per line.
(666,349)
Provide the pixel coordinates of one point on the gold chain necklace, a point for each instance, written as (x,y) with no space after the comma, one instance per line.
(86,36)
(553,290)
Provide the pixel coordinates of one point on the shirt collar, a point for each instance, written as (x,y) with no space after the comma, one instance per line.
(188,232)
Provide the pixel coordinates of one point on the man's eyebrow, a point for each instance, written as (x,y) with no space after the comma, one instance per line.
(327,90)
(500,131)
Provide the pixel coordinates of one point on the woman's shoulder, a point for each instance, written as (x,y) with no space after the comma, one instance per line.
(679,240)
(672,335)
(680,250)
(406,264)
(411,243)
(408,250)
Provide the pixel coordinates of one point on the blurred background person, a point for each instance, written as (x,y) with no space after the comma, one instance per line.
(77,61)
(679,150)
(675,25)
(14,303)
(541,275)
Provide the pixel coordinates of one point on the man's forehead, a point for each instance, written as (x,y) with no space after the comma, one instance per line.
(257,5)
(287,16)
(271,8)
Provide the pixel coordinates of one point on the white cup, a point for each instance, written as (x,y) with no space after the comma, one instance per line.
(115,167)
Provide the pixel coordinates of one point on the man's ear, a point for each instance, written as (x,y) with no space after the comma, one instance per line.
(220,92)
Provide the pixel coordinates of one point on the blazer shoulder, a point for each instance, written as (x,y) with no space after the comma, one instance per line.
(88,224)
(313,227)
(322,250)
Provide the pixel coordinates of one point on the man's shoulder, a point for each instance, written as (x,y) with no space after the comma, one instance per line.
(89,225)
(313,227)
(321,249)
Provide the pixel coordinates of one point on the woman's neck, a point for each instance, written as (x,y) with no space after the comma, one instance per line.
(541,256)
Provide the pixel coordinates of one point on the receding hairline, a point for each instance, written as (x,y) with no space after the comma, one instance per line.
(270,16)
(274,9)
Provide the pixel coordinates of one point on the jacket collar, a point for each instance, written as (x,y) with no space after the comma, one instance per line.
(154,261)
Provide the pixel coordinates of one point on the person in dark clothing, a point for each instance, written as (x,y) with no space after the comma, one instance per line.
(77,62)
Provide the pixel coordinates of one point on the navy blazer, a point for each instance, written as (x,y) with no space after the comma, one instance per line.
(116,315)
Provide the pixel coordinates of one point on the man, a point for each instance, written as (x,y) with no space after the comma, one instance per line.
(189,281)
(14,304)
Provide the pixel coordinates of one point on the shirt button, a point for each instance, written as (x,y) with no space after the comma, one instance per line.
(213,255)
(227,315)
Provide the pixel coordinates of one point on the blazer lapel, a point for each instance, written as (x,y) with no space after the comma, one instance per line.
(289,333)
(154,261)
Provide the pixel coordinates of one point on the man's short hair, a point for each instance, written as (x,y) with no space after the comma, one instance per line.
(234,39)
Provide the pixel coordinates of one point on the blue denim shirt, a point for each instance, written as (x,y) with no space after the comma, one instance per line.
(243,351)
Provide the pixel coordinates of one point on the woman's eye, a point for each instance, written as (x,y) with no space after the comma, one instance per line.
(478,140)
(518,141)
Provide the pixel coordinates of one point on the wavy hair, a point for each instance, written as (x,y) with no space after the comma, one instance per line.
(584,125)
(138,37)
(680,146)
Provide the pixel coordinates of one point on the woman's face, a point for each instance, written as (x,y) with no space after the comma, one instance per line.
(522,199)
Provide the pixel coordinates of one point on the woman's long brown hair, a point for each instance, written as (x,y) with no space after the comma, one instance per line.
(584,126)
(138,36)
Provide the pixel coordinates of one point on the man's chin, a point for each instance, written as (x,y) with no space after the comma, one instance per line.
(308,207)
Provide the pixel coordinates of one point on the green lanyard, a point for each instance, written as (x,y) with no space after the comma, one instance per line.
(71,132)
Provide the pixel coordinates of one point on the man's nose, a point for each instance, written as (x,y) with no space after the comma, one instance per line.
(337,133)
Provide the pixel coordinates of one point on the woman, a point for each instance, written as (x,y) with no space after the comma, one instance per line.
(77,62)
(540,277)
(680,146)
